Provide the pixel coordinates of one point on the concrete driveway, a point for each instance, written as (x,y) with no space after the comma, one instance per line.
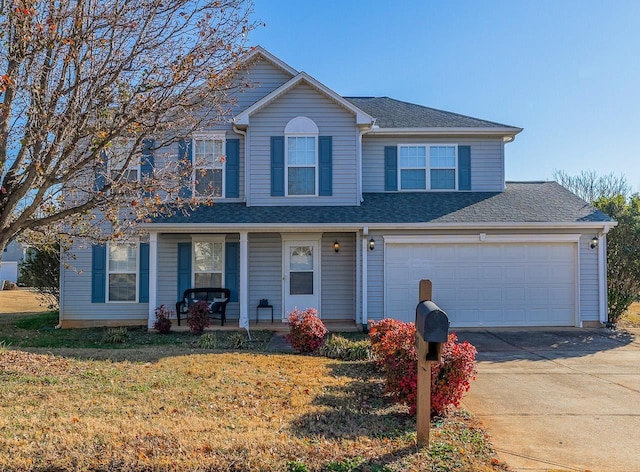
(559,399)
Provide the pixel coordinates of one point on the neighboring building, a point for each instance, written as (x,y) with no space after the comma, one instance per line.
(12,255)
(344,204)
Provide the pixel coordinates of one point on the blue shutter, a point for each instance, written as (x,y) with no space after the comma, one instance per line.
(98,273)
(99,171)
(464,167)
(146,167)
(184,268)
(232,168)
(232,269)
(325,161)
(277,166)
(143,282)
(391,168)
(184,154)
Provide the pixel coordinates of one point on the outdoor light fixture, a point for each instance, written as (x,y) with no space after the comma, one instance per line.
(594,242)
(336,246)
(372,244)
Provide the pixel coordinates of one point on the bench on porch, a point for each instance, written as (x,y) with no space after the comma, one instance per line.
(216,298)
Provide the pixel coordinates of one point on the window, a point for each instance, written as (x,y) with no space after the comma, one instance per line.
(427,167)
(122,269)
(119,152)
(208,165)
(301,151)
(301,165)
(208,263)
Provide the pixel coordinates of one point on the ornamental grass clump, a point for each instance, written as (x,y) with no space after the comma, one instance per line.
(306,330)
(393,345)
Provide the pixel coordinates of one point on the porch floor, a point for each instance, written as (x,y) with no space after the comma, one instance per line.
(334,326)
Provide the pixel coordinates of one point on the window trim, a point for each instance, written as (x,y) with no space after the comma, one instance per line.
(108,273)
(209,136)
(428,168)
(135,164)
(207,239)
(315,165)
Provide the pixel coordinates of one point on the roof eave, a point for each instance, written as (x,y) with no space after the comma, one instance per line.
(468,131)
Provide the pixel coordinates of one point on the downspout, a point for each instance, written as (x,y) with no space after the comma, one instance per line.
(361,132)
(602,275)
(246,161)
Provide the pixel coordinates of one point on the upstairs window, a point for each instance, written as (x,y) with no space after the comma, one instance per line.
(301,151)
(121,151)
(208,165)
(427,167)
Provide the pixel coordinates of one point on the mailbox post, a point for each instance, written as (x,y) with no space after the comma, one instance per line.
(432,329)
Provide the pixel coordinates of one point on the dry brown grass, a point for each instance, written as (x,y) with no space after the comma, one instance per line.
(20,301)
(221,411)
(631,318)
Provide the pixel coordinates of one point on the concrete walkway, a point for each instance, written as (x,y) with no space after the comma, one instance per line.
(559,399)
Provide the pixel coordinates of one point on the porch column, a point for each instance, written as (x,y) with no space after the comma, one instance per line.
(153,277)
(244,280)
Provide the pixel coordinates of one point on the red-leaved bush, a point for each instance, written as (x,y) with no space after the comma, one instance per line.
(306,330)
(393,345)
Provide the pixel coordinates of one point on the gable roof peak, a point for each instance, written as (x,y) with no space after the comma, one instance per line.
(258,51)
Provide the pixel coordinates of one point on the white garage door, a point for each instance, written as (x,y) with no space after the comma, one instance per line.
(485,284)
(8,271)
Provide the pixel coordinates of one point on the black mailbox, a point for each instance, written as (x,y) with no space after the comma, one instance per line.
(431,322)
(432,327)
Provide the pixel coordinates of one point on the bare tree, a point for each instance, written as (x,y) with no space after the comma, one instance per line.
(84,81)
(590,186)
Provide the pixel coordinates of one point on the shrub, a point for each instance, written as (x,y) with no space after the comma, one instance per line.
(451,377)
(338,347)
(115,336)
(163,323)
(393,345)
(306,330)
(198,317)
(238,340)
(40,269)
(208,341)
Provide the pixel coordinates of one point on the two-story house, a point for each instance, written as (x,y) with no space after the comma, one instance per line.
(344,204)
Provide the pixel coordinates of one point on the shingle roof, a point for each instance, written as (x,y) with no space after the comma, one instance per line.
(391,113)
(521,202)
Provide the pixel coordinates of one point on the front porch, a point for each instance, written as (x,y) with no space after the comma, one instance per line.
(284,270)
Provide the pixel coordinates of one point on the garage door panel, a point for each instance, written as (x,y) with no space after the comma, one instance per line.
(486,284)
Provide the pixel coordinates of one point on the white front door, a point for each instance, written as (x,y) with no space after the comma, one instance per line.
(301,274)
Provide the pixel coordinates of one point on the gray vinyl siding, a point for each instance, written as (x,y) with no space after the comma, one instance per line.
(265,274)
(375,281)
(589,292)
(263,78)
(76,300)
(487,169)
(331,119)
(338,281)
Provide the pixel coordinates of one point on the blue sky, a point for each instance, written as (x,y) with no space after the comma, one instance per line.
(568,72)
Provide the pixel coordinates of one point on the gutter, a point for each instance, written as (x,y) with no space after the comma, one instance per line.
(308,227)
(507,133)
